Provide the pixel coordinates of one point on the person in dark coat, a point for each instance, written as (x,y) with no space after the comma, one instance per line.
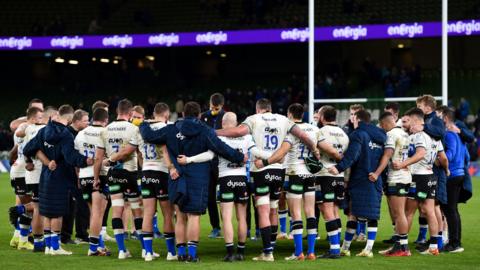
(363,156)
(213,118)
(57,143)
(189,192)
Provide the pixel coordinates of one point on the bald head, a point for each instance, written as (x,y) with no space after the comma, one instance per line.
(229,120)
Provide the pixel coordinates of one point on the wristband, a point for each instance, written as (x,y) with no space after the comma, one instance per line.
(265,162)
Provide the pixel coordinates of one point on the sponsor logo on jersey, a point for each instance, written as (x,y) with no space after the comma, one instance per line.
(232,184)
(149,180)
(227,196)
(145,192)
(296,187)
(262,189)
(272,177)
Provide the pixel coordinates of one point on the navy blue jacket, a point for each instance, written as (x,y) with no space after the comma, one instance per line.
(455,151)
(190,137)
(467,136)
(435,128)
(57,143)
(363,156)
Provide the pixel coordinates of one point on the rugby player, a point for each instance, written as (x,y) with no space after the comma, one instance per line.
(122,177)
(423,180)
(397,181)
(94,193)
(268,130)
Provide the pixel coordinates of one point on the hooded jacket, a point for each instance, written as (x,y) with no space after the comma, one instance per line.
(190,137)
(56,142)
(363,156)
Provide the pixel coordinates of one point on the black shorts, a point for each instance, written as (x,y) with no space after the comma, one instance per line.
(332,189)
(123,182)
(155,185)
(269,182)
(86,185)
(425,187)
(233,189)
(300,184)
(19,186)
(397,189)
(32,190)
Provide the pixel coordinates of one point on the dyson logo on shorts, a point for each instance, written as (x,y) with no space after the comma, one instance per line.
(232,184)
(272,177)
(164,40)
(295,34)
(117,41)
(349,32)
(466,28)
(67,42)
(212,38)
(402,30)
(16,43)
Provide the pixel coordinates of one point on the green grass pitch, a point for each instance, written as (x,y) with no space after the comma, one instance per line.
(211,251)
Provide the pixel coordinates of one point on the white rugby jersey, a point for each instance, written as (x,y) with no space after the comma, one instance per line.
(398,141)
(86,143)
(335,136)
(152,154)
(119,134)
(33,177)
(268,131)
(295,159)
(242,144)
(18,167)
(432,148)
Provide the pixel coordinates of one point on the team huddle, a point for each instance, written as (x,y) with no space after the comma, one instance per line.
(418,161)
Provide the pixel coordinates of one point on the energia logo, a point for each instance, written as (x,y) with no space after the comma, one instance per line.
(350,32)
(466,28)
(117,41)
(402,30)
(164,40)
(16,43)
(67,42)
(295,34)
(212,37)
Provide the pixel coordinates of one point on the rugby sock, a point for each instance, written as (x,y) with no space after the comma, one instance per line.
(93,243)
(38,241)
(361,225)
(311,234)
(403,240)
(229,248)
(241,248)
(170,240)
(24,222)
(155,224)
(422,233)
(332,232)
(266,234)
(282,215)
(16,233)
(48,238)
(274,235)
(148,242)
(434,241)
(440,240)
(394,228)
(55,240)
(138,228)
(117,225)
(339,224)
(181,247)
(349,233)
(297,231)
(20,209)
(192,248)
(101,243)
(371,234)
